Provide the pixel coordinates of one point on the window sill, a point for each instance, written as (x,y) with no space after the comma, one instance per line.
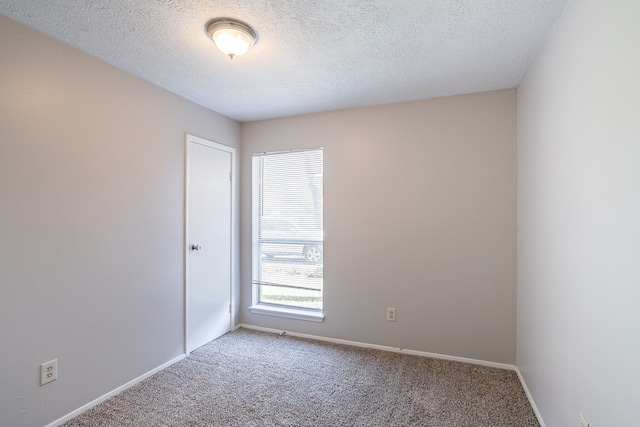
(289,313)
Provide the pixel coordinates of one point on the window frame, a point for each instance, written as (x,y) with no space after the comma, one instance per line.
(266,308)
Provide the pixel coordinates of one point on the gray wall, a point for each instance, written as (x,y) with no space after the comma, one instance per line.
(420,214)
(579,218)
(91,223)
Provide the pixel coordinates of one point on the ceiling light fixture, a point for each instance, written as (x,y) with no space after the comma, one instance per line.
(232,37)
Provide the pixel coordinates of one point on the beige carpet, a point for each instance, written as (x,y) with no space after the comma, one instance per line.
(249,378)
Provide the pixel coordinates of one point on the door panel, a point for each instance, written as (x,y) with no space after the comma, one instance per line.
(208,258)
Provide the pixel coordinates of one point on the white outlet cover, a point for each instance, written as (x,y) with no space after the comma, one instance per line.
(583,421)
(48,372)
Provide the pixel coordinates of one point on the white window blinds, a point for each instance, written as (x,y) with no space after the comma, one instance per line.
(287,228)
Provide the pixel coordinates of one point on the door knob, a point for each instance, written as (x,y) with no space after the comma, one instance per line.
(196,247)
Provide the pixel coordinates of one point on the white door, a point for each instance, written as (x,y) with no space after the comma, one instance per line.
(208,256)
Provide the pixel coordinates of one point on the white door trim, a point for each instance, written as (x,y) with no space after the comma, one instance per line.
(197,140)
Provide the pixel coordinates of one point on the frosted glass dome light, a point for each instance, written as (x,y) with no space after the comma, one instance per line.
(231,37)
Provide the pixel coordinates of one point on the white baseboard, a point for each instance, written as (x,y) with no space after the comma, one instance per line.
(412,352)
(113,392)
(530,397)
(383,347)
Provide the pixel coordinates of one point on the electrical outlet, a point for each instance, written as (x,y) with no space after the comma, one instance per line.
(48,372)
(391,314)
(583,421)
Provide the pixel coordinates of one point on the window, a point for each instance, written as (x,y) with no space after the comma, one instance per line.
(287,234)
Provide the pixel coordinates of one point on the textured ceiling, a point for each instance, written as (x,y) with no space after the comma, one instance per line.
(312,55)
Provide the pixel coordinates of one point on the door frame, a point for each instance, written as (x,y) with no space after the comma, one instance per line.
(197,140)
